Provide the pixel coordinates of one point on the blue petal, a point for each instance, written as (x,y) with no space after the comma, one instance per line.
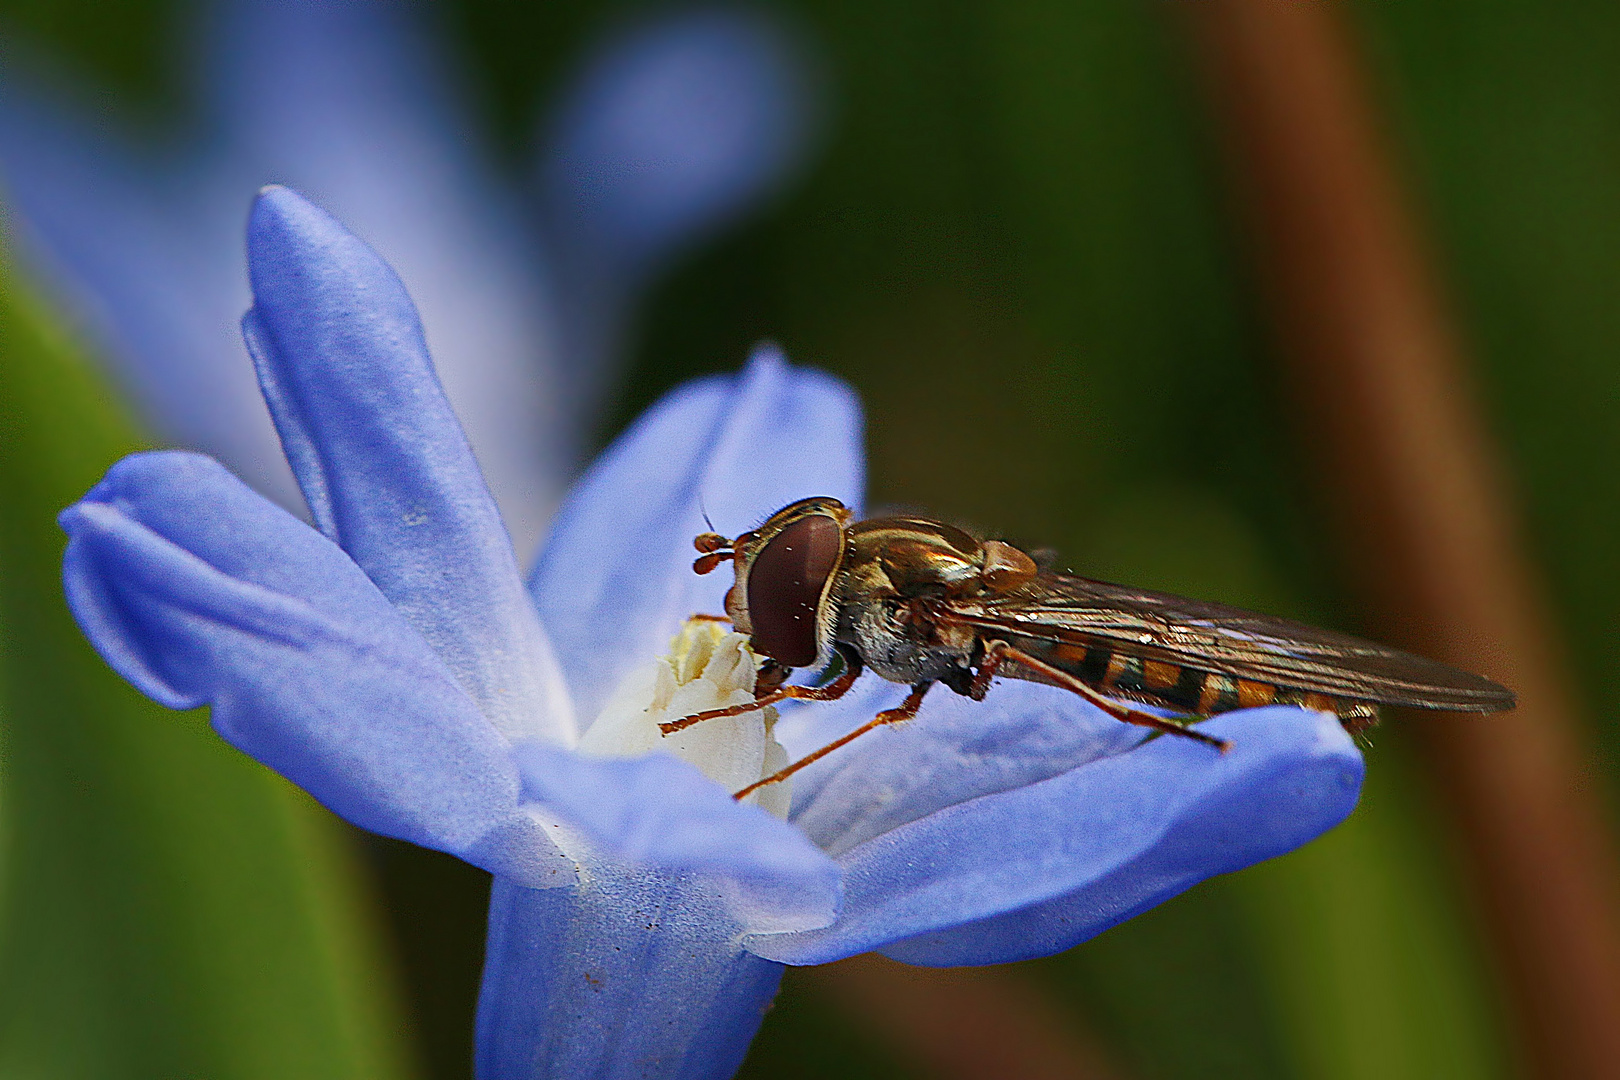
(200,592)
(383,463)
(353,103)
(628,976)
(955,750)
(614,580)
(674,127)
(1040,868)
(657,811)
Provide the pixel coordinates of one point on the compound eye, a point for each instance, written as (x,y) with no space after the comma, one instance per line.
(785,583)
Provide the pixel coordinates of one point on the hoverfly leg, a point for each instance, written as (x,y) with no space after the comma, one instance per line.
(770,676)
(989,663)
(1000,651)
(831,692)
(703,616)
(906,710)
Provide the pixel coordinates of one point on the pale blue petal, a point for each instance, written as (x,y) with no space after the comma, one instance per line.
(352,102)
(145,252)
(199,591)
(675,127)
(657,811)
(955,750)
(1114,837)
(383,463)
(614,580)
(628,976)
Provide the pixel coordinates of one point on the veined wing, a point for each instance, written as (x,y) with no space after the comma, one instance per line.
(1214,637)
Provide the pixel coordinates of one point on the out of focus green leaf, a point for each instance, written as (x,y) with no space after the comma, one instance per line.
(1368,952)
(168,908)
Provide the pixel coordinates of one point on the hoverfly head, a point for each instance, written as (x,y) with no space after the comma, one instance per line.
(785,570)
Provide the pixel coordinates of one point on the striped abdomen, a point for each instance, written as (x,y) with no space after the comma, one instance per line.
(1183,688)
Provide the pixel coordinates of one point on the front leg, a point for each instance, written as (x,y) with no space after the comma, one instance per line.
(831,692)
(906,710)
(989,663)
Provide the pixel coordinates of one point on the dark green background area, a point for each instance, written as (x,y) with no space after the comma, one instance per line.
(1014,241)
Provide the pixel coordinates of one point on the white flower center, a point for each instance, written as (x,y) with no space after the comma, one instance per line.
(708,667)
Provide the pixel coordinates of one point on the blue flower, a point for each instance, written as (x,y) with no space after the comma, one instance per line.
(393,663)
(670,128)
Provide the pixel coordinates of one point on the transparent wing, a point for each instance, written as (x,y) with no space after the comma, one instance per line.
(1214,637)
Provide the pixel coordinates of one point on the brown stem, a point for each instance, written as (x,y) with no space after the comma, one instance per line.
(1386,405)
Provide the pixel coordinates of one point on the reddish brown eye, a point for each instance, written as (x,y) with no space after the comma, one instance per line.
(785,584)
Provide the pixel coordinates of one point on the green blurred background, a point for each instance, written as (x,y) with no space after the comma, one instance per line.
(1016,242)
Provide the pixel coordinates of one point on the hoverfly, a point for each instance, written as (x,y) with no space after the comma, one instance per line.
(921,602)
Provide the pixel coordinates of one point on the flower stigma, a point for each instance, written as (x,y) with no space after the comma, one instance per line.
(708,667)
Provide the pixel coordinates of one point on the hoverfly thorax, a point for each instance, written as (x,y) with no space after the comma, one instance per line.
(786,570)
(903,556)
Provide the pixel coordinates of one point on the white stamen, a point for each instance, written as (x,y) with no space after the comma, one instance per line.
(707,668)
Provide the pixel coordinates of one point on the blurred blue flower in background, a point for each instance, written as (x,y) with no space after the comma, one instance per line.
(671,128)
(394,665)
